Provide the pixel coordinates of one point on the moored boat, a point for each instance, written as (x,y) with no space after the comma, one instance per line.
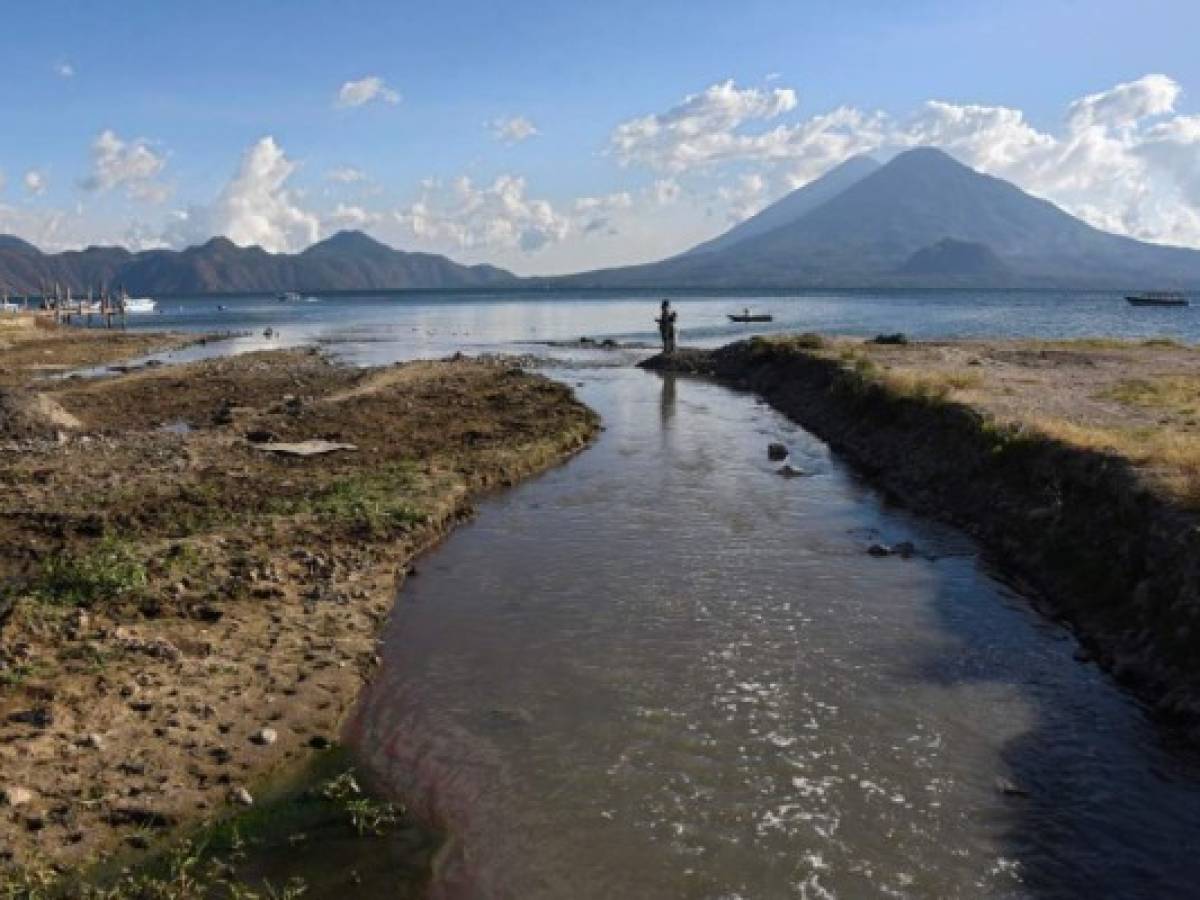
(1158,298)
(288,297)
(139,305)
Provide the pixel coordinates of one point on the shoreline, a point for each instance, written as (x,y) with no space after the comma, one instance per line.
(1037,449)
(190,605)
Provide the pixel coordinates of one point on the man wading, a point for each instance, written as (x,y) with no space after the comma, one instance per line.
(666,327)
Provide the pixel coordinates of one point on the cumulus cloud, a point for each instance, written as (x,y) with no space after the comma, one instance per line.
(1122,161)
(512,130)
(496,216)
(35,182)
(702,129)
(133,165)
(1122,158)
(351,216)
(346,175)
(665,191)
(255,207)
(363,91)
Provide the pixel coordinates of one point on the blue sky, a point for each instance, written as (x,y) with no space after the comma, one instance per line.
(147,123)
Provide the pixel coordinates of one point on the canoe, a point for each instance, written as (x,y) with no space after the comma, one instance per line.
(1157,300)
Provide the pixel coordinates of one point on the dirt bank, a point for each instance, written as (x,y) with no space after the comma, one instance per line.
(185,608)
(1077,464)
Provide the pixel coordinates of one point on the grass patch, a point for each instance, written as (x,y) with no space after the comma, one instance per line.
(109,572)
(1176,393)
(373,503)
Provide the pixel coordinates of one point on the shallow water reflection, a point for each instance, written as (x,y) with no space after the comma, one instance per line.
(664,670)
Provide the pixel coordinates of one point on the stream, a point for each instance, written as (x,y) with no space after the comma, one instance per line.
(665,670)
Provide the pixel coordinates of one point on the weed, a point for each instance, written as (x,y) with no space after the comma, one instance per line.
(109,572)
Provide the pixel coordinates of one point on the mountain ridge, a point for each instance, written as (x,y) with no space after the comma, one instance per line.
(347,260)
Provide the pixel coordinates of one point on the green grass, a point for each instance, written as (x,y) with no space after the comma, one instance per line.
(108,572)
(374,503)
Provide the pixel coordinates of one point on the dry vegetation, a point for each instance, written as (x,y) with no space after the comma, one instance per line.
(1138,400)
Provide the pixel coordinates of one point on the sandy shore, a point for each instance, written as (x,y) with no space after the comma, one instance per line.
(1076,464)
(185,608)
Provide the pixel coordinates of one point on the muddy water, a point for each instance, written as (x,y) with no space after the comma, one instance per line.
(664,670)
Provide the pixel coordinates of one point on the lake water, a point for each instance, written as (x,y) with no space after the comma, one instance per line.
(663,670)
(435,324)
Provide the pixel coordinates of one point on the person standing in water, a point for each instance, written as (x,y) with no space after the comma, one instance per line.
(666,327)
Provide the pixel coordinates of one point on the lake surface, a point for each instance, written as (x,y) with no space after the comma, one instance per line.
(664,670)
(435,324)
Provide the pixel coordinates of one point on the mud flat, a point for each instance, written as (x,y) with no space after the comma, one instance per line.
(1076,463)
(187,601)
(33,347)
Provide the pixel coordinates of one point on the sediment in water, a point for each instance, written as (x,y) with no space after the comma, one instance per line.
(1102,546)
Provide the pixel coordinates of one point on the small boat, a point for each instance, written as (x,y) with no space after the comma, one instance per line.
(1158,298)
(288,297)
(748,316)
(139,305)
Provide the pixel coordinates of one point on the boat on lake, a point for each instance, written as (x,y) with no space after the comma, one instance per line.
(747,316)
(139,305)
(288,297)
(1158,298)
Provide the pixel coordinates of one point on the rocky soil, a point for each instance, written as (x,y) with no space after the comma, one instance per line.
(183,608)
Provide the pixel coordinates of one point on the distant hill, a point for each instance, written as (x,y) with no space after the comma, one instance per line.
(795,205)
(349,260)
(871,232)
(955,259)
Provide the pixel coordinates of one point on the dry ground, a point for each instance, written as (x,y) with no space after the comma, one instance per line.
(172,592)
(1138,400)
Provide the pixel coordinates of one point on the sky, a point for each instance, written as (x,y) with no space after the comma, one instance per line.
(550,137)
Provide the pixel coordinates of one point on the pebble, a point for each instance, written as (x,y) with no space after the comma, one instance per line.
(776,451)
(240,796)
(264,737)
(16,796)
(92,741)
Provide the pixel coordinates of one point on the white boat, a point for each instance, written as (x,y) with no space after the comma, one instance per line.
(288,297)
(140,305)
(7,307)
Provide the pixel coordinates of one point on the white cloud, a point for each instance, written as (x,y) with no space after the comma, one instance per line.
(666,191)
(133,166)
(255,207)
(512,130)
(496,216)
(744,197)
(346,175)
(358,93)
(350,216)
(1122,160)
(3,181)
(701,130)
(64,69)
(35,182)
